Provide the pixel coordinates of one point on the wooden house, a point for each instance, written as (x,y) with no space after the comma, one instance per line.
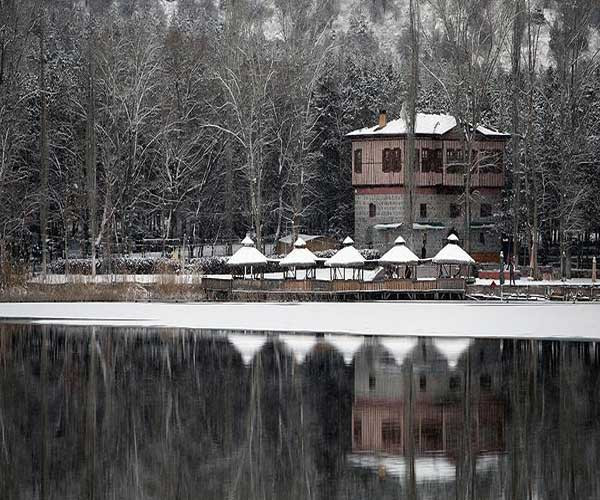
(378,177)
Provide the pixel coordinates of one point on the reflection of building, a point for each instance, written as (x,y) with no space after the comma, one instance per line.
(438,403)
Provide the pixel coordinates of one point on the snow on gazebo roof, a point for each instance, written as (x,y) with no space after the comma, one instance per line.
(299,256)
(452,349)
(399,254)
(452,253)
(299,345)
(399,347)
(347,345)
(347,256)
(247,255)
(247,345)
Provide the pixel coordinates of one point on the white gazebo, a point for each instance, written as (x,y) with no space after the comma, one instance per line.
(346,258)
(400,256)
(247,257)
(452,255)
(299,258)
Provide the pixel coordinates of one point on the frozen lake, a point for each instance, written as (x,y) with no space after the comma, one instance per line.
(470,319)
(162,413)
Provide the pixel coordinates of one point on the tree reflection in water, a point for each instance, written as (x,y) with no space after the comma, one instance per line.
(129,413)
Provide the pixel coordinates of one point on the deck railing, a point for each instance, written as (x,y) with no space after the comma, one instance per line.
(388,285)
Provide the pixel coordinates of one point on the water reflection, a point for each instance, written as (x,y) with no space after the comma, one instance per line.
(139,413)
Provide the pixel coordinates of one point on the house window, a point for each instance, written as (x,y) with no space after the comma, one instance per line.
(372,382)
(423,210)
(454,211)
(431,160)
(358,161)
(485,382)
(357,431)
(391,432)
(372,210)
(423,383)
(454,158)
(482,238)
(391,160)
(485,210)
(454,383)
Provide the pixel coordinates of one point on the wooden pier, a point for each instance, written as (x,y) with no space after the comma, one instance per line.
(336,290)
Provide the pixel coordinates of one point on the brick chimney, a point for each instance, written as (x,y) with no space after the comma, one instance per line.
(382,119)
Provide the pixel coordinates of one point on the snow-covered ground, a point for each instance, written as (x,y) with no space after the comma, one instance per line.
(458,319)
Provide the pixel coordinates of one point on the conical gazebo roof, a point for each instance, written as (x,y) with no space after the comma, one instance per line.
(452,253)
(300,256)
(347,256)
(247,255)
(399,254)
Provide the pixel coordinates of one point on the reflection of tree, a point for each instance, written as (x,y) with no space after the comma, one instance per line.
(153,414)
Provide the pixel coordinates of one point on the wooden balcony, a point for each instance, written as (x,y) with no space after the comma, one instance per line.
(372,175)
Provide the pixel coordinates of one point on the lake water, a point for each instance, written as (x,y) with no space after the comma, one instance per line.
(133,413)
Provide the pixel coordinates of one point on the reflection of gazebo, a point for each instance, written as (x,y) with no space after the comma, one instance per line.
(346,258)
(247,257)
(400,256)
(452,255)
(299,258)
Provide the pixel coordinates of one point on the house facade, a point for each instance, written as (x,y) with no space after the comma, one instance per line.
(378,178)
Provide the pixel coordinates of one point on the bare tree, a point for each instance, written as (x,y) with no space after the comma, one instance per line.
(306,46)
(410,110)
(473,35)
(247,96)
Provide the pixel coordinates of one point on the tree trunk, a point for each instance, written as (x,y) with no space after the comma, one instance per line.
(467,153)
(516,151)
(229,236)
(411,115)
(91,145)
(43,147)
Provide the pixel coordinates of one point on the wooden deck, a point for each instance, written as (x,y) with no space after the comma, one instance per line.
(342,290)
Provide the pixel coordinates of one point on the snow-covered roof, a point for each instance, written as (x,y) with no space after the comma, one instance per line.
(425,124)
(427,225)
(434,468)
(399,254)
(247,255)
(306,237)
(346,257)
(299,256)
(452,253)
(452,349)
(390,225)
(348,241)
(247,345)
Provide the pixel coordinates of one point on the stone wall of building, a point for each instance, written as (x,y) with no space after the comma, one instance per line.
(436,222)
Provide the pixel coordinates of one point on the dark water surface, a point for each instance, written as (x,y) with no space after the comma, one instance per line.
(131,413)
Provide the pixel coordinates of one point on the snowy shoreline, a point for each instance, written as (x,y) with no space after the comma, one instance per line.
(453,319)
